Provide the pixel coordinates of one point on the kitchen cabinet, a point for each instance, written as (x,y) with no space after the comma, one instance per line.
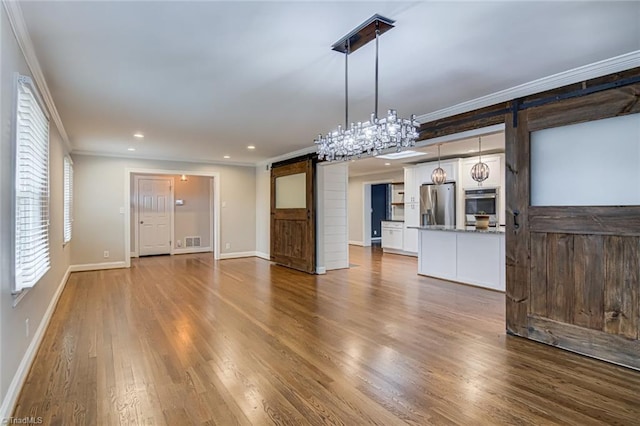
(392,236)
(495,171)
(422,172)
(411,189)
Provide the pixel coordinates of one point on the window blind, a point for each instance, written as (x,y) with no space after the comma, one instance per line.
(68,198)
(31,188)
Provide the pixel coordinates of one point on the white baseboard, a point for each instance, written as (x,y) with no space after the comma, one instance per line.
(10,399)
(321,270)
(134,254)
(263,255)
(190,250)
(97,266)
(356,243)
(238,254)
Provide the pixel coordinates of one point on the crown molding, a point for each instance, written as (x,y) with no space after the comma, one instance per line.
(293,154)
(576,75)
(21,32)
(160,158)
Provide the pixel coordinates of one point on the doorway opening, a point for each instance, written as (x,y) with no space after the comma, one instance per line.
(171,212)
(380,209)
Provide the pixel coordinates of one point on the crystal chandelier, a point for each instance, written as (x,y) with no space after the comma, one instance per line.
(376,134)
(480,170)
(439,176)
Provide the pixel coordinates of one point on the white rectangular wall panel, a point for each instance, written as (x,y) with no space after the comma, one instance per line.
(587,164)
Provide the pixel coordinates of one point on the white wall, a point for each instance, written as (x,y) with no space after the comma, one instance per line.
(356,200)
(263,210)
(331,221)
(99,209)
(15,347)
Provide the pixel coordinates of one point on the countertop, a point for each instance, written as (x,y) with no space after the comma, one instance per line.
(498,230)
(396,220)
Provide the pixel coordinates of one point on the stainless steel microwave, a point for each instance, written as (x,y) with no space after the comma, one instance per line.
(481,201)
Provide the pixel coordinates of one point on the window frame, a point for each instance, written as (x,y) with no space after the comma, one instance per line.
(19,287)
(67,200)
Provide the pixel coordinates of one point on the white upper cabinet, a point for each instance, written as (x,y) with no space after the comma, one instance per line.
(423,171)
(411,189)
(495,172)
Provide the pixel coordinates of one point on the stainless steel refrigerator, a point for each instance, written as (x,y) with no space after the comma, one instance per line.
(438,204)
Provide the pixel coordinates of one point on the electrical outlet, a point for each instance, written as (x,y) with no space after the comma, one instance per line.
(106,254)
(227,246)
(26,327)
(375,232)
(179,243)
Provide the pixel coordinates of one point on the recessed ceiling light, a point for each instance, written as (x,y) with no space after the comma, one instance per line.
(401,154)
(387,164)
(227,156)
(138,135)
(251,147)
(131,149)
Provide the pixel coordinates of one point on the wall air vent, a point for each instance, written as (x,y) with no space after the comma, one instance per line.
(192,241)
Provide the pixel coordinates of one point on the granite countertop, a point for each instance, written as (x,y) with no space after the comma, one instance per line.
(498,230)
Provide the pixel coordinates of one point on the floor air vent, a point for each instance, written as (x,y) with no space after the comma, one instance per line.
(192,241)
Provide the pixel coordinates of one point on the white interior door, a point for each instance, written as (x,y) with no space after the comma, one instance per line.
(154,216)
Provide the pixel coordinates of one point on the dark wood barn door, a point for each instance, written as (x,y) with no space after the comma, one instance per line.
(573,272)
(293,233)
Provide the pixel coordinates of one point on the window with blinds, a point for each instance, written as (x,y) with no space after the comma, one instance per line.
(68,198)
(31,187)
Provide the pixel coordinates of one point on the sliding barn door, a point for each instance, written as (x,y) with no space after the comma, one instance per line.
(293,233)
(573,266)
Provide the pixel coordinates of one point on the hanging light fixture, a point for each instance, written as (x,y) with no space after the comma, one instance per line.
(480,170)
(439,176)
(376,134)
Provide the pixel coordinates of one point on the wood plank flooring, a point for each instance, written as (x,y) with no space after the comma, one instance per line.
(188,340)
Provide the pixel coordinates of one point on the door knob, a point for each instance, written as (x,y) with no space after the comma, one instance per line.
(141,222)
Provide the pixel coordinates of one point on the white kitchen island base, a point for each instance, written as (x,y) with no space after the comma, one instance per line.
(467,256)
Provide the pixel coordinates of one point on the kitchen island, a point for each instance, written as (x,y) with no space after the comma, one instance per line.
(468,256)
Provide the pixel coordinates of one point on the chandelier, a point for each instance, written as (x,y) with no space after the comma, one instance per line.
(480,170)
(376,134)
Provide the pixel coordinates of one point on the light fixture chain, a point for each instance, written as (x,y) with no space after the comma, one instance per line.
(346,83)
(377,43)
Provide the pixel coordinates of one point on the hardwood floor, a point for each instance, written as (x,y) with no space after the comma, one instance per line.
(187,340)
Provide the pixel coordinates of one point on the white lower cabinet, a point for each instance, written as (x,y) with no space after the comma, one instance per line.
(410,242)
(392,235)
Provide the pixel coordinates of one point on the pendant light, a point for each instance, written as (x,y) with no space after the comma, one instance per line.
(439,176)
(480,170)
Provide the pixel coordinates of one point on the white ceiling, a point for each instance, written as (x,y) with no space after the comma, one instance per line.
(206,79)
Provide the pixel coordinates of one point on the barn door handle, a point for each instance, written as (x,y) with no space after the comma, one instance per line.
(516,213)
(308,214)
